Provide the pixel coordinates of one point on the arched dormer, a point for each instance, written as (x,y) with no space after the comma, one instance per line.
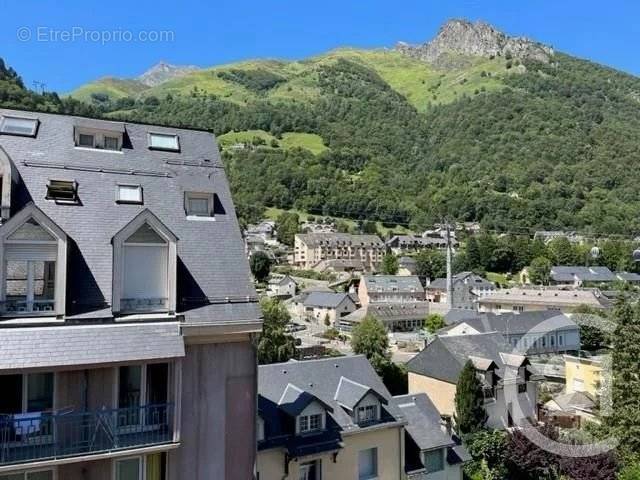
(144,267)
(33,265)
(5,185)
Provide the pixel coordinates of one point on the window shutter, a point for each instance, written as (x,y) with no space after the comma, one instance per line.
(36,252)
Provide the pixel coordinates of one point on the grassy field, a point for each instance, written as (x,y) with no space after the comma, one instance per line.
(420,83)
(309,141)
(272,213)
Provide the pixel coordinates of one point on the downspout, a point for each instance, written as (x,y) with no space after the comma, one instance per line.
(402,472)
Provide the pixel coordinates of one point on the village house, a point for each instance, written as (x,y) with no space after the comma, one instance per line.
(122,275)
(281,286)
(583,276)
(530,333)
(509,387)
(395,316)
(312,248)
(584,374)
(323,307)
(407,266)
(520,300)
(390,289)
(467,288)
(334,419)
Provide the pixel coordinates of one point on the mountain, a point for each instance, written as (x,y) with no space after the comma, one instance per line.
(163,72)
(475,129)
(479,39)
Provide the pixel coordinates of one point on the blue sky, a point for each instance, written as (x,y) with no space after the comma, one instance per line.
(220,31)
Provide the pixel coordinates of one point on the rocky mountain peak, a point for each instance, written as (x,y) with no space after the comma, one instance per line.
(478,39)
(162,71)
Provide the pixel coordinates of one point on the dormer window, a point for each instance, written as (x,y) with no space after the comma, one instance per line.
(62,191)
(367,414)
(24,127)
(144,267)
(311,423)
(32,265)
(163,141)
(99,134)
(198,204)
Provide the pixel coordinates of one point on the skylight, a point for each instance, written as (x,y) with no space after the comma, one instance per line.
(163,141)
(26,127)
(63,191)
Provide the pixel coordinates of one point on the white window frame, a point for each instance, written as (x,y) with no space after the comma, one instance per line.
(5,118)
(99,136)
(83,134)
(119,258)
(305,465)
(131,202)
(112,137)
(142,465)
(306,419)
(25,391)
(363,413)
(163,134)
(209,196)
(15,222)
(376,465)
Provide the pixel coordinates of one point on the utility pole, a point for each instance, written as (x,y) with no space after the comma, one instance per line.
(449,277)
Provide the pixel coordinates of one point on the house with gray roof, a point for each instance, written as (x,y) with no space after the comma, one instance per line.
(467,288)
(390,288)
(509,386)
(522,299)
(321,307)
(401,244)
(578,276)
(122,276)
(395,316)
(531,333)
(334,418)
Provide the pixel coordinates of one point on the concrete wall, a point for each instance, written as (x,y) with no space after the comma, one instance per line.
(218,413)
(388,441)
(523,406)
(582,375)
(440,393)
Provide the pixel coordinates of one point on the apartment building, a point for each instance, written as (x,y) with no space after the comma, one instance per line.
(334,419)
(509,386)
(126,307)
(390,288)
(467,288)
(530,299)
(312,248)
(534,332)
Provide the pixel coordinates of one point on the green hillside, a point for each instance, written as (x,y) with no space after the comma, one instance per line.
(513,143)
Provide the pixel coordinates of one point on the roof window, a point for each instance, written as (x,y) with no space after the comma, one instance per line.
(163,141)
(26,127)
(62,191)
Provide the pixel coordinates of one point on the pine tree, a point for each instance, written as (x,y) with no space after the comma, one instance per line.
(474,257)
(470,415)
(390,264)
(624,421)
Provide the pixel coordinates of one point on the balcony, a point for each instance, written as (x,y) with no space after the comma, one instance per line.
(42,436)
(144,305)
(22,306)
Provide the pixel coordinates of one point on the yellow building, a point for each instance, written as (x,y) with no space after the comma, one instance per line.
(334,419)
(583,375)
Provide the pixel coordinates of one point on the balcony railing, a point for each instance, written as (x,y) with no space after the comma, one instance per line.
(22,306)
(148,305)
(43,436)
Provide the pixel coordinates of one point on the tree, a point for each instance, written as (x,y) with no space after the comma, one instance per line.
(370,339)
(525,460)
(390,264)
(260,264)
(487,448)
(470,415)
(591,337)
(562,251)
(473,255)
(540,271)
(434,322)
(275,344)
(624,420)
(287,225)
(431,264)
(327,321)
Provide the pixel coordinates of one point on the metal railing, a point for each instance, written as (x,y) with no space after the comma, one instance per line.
(144,304)
(39,436)
(23,306)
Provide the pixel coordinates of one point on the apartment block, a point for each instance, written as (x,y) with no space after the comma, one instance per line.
(126,308)
(362,251)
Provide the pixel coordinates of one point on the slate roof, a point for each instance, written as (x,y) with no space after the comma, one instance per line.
(423,421)
(325,299)
(349,393)
(390,311)
(76,345)
(320,378)
(518,323)
(547,296)
(584,274)
(628,276)
(445,357)
(213,283)
(470,278)
(340,239)
(569,402)
(392,283)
